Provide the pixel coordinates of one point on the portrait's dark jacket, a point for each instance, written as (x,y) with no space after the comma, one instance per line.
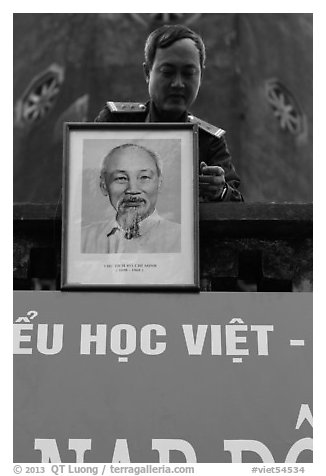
(213,148)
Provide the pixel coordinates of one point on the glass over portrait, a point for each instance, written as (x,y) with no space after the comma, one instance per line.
(130,206)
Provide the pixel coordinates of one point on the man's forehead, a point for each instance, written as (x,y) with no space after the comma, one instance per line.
(184,50)
(131,159)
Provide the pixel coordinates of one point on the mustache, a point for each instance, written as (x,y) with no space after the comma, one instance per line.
(131,200)
(131,210)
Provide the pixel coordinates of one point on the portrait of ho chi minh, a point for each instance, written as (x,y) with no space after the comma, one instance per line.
(131,177)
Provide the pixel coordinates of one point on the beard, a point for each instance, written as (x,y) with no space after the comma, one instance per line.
(130,212)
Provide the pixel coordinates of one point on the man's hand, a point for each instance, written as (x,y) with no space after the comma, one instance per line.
(211,182)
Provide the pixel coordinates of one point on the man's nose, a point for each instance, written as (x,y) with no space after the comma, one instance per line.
(132,187)
(178,81)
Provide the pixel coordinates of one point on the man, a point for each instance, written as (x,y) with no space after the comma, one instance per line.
(131,177)
(173,68)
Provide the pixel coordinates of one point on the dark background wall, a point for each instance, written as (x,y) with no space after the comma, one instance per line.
(257,85)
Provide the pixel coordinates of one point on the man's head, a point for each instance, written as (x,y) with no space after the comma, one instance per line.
(131,176)
(174,63)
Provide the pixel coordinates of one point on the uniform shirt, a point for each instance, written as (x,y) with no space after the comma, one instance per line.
(157,235)
(212,150)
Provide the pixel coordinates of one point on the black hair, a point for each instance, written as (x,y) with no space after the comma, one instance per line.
(165,36)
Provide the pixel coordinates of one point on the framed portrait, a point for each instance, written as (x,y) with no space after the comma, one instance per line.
(130,206)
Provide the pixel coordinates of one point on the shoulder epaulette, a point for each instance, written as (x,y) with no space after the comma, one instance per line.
(215,131)
(126,106)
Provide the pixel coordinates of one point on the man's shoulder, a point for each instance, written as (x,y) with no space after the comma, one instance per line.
(208,128)
(115,111)
(94,227)
(169,226)
(122,107)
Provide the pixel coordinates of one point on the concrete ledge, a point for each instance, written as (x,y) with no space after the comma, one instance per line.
(268,245)
(257,219)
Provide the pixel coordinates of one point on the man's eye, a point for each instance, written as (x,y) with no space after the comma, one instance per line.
(145,177)
(190,72)
(120,179)
(167,72)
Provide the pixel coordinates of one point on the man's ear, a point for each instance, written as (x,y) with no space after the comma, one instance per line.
(146,72)
(103,186)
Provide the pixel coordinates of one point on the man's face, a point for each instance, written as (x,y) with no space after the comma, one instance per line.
(175,77)
(132,183)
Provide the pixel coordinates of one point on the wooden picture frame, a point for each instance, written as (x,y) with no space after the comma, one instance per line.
(130,206)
